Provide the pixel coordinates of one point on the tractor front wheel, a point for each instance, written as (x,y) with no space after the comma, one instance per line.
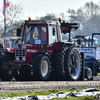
(6,74)
(41,67)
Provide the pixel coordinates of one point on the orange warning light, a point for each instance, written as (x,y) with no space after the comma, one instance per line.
(14,34)
(59,19)
(29,19)
(96,35)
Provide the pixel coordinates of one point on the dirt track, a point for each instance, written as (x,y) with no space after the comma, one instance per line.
(46,85)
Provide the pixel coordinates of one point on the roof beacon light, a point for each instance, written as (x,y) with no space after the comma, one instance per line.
(29,19)
(14,34)
(70,37)
(59,19)
(35,21)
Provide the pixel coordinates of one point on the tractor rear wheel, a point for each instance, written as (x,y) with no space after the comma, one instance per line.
(72,64)
(41,67)
(58,64)
(6,74)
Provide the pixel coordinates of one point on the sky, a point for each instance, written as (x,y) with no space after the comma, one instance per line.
(39,8)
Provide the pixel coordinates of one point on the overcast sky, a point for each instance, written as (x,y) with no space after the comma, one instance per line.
(35,8)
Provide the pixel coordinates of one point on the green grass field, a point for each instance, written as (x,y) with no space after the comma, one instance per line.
(47,92)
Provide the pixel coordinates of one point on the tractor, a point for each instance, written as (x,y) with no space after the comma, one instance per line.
(41,54)
(90,47)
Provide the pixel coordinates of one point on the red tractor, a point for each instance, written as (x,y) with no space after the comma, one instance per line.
(41,52)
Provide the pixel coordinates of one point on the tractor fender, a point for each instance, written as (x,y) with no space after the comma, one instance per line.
(61,45)
(48,55)
(65,44)
(9,53)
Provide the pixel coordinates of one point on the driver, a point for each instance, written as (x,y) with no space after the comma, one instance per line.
(42,35)
(35,34)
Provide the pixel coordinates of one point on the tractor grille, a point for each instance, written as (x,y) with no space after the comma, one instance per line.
(20,55)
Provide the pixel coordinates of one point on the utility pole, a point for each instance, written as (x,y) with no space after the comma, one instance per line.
(4,28)
(4,34)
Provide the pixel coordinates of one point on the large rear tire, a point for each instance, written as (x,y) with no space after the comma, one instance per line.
(41,67)
(58,64)
(6,74)
(72,64)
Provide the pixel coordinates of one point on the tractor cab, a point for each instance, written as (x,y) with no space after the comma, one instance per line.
(40,34)
(95,41)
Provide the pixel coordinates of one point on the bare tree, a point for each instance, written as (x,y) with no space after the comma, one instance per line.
(14,15)
(88,16)
(49,17)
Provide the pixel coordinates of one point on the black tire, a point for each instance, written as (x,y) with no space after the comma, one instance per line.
(16,75)
(1,48)
(0,53)
(6,74)
(58,64)
(88,74)
(82,71)
(0,62)
(72,64)
(22,75)
(41,67)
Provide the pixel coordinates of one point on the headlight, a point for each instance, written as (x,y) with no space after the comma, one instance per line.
(17,58)
(23,58)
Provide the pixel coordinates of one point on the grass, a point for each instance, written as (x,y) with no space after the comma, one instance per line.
(47,92)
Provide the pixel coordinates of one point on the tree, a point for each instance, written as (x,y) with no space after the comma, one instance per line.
(73,15)
(49,17)
(91,18)
(14,13)
(88,16)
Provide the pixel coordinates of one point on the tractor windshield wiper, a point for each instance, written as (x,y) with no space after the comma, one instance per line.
(29,31)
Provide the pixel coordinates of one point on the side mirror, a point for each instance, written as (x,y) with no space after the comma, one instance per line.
(18,31)
(53,31)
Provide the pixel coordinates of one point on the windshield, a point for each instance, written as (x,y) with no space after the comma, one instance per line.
(12,43)
(35,34)
(96,40)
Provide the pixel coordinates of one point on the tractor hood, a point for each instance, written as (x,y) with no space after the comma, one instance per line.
(29,47)
(23,52)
